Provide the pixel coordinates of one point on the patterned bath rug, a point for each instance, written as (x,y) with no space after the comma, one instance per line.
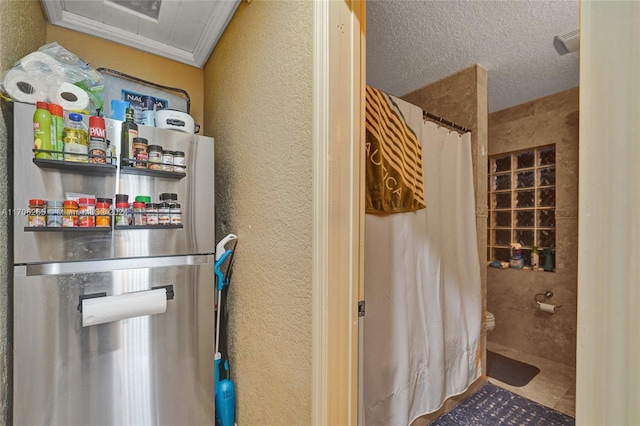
(492,405)
(510,371)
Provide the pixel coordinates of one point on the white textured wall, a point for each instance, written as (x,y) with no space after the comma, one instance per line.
(258,106)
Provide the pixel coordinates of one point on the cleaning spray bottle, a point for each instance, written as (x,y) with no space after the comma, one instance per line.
(516,261)
(534,258)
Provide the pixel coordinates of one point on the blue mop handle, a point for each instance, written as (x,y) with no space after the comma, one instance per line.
(216,268)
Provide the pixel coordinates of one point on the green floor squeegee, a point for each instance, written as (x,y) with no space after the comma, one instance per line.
(225,393)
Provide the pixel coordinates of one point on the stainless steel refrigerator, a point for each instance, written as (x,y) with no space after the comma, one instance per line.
(148,369)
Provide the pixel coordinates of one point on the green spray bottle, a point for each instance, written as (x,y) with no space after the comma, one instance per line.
(535,258)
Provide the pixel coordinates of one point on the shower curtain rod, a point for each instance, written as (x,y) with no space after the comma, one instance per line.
(426,114)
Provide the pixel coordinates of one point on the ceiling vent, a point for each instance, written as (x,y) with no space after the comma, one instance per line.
(182,30)
(568,42)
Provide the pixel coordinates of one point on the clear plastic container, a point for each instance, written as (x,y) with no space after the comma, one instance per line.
(139,213)
(164,214)
(54,214)
(176,214)
(152,213)
(76,143)
(178,162)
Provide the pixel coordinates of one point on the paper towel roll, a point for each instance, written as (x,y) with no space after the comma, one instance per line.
(100,310)
(24,87)
(545,307)
(71,97)
(46,66)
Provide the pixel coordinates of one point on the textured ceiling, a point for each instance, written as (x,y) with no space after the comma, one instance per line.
(413,43)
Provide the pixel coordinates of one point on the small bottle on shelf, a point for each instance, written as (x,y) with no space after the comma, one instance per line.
(139,213)
(37,213)
(534,258)
(76,144)
(129,131)
(69,214)
(57,131)
(97,140)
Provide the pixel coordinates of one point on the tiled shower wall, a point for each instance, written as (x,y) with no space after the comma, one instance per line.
(510,292)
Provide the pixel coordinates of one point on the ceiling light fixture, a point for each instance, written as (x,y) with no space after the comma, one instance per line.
(568,42)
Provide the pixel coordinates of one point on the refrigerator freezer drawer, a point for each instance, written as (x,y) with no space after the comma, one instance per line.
(146,370)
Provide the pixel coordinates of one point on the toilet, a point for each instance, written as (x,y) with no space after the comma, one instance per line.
(491,321)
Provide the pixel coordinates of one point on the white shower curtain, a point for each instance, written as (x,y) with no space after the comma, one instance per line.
(422,288)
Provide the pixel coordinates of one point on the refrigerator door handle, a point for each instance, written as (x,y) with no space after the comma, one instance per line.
(63,268)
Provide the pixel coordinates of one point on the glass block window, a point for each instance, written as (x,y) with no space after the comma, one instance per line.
(522,202)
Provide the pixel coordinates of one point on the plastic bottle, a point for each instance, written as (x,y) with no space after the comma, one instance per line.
(42,130)
(548,260)
(148,111)
(534,258)
(516,261)
(76,144)
(57,129)
(129,131)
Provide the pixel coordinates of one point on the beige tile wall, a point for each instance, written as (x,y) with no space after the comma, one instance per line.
(510,293)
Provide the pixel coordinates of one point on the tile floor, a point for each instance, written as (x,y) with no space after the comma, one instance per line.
(554,386)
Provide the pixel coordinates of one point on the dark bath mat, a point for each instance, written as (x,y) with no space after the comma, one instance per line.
(492,405)
(510,371)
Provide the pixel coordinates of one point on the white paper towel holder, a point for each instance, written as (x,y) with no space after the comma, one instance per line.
(168,288)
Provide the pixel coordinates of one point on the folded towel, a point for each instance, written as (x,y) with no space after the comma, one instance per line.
(394,175)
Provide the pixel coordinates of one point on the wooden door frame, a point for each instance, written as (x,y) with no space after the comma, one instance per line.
(338,206)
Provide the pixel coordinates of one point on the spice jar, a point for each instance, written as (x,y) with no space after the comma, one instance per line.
(167,161)
(176,214)
(164,214)
(122,213)
(139,213)
(103,219)
(178,162)
(155,157)
(37,213)
(69,214)
(152,213)
(86,212)
(54,214)
(140,152)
